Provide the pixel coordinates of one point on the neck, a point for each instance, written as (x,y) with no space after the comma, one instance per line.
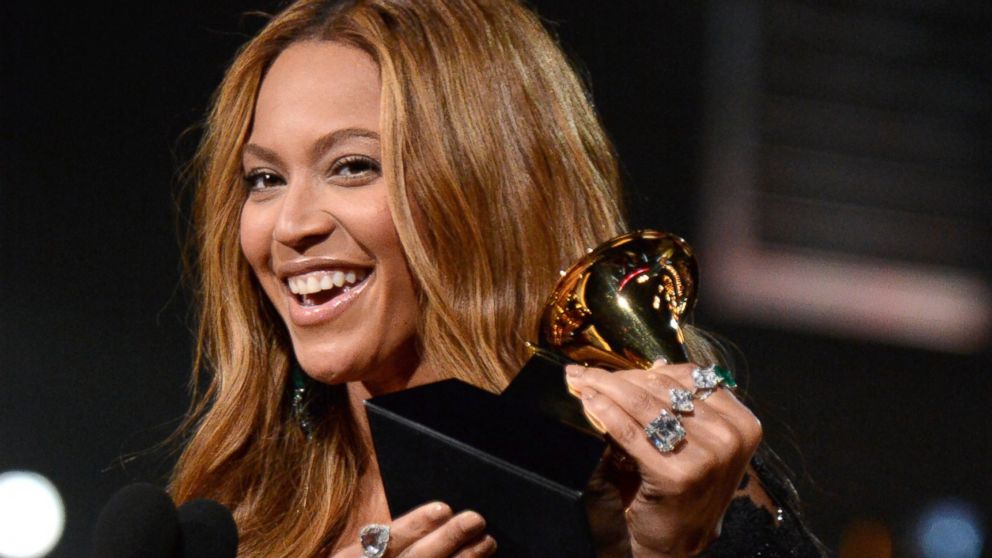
(372,506)
(358,392)
(405,369)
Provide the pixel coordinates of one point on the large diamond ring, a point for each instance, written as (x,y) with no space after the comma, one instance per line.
(374,539)
(665,432)
(706,380)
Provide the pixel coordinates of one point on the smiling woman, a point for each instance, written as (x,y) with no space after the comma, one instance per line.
(317,217)
(386,190)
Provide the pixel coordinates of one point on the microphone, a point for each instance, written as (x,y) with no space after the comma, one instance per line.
(208,530)
(141,521)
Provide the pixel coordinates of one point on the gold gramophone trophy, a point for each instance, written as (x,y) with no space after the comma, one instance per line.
(524,459)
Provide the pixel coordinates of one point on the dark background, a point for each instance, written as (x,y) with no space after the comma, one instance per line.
(94,332)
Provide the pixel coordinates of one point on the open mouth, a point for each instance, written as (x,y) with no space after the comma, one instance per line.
(320,287)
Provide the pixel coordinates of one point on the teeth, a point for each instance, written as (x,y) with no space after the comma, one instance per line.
(323,281)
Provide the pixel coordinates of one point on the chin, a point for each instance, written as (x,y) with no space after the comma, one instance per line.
(327,368)
(382,368)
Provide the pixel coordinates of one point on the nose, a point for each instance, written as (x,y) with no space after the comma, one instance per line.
(301,221)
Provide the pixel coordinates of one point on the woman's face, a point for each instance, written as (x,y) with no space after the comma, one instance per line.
(316,227)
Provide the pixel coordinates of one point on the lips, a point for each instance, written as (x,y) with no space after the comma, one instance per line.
(319,293)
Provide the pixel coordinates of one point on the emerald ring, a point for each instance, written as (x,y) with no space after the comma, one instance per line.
(707,380)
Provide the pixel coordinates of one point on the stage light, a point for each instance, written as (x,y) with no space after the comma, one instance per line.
(31,515)
(950,529)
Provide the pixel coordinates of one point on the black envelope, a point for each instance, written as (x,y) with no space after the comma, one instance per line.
(523,459)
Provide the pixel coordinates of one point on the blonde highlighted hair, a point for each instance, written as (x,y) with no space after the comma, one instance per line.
(500,174)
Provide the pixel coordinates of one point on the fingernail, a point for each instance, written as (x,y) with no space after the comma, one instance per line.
(471,522)
(491,543)
(659,362)
(588,393)
(573,370)
(438,511)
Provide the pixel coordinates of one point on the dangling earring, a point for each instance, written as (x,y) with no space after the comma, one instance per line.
(300,397)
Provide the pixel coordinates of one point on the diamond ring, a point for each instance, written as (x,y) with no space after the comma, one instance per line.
(706,380)
(665,432)
(681,400)
(374,539)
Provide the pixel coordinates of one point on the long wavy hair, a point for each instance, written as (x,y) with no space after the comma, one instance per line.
(499,175)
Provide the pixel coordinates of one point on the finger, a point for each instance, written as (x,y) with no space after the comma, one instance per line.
(450,537)
(661,379)
(656,382)
(641,404)
(706,425)
(678,375)
(643,394)
(680,372)
(623,429)
(483,546)
(737,416)
(724,405)
(643,397)
(415,525)
(736,428)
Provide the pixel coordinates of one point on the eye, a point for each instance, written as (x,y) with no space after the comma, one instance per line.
(261,179)
(355,168)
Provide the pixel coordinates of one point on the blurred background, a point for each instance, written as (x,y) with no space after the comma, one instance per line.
(830,160)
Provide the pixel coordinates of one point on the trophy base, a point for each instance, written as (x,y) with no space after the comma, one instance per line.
(524,470)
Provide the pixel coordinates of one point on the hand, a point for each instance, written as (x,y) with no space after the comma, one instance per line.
(676,501)
(431,531)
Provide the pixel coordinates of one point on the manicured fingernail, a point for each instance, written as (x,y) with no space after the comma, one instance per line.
(471,522)
(659,362)
(588,393)
(574,370)
(438,511)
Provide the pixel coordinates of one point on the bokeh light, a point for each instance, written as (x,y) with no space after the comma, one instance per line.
(32,515)
(950,529)
(865,538)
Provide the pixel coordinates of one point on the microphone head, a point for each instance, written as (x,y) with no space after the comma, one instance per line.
(208,530)
(139,521)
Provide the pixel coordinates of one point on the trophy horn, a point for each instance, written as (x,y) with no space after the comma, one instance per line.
(624,304)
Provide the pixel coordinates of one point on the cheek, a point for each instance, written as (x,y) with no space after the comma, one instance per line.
(255,235)
(383,230)
(377,221)
(379,226)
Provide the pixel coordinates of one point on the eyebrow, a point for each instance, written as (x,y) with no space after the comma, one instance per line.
(327,141)
(323,144)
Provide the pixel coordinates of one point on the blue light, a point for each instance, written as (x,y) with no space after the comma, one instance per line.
(950,529)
